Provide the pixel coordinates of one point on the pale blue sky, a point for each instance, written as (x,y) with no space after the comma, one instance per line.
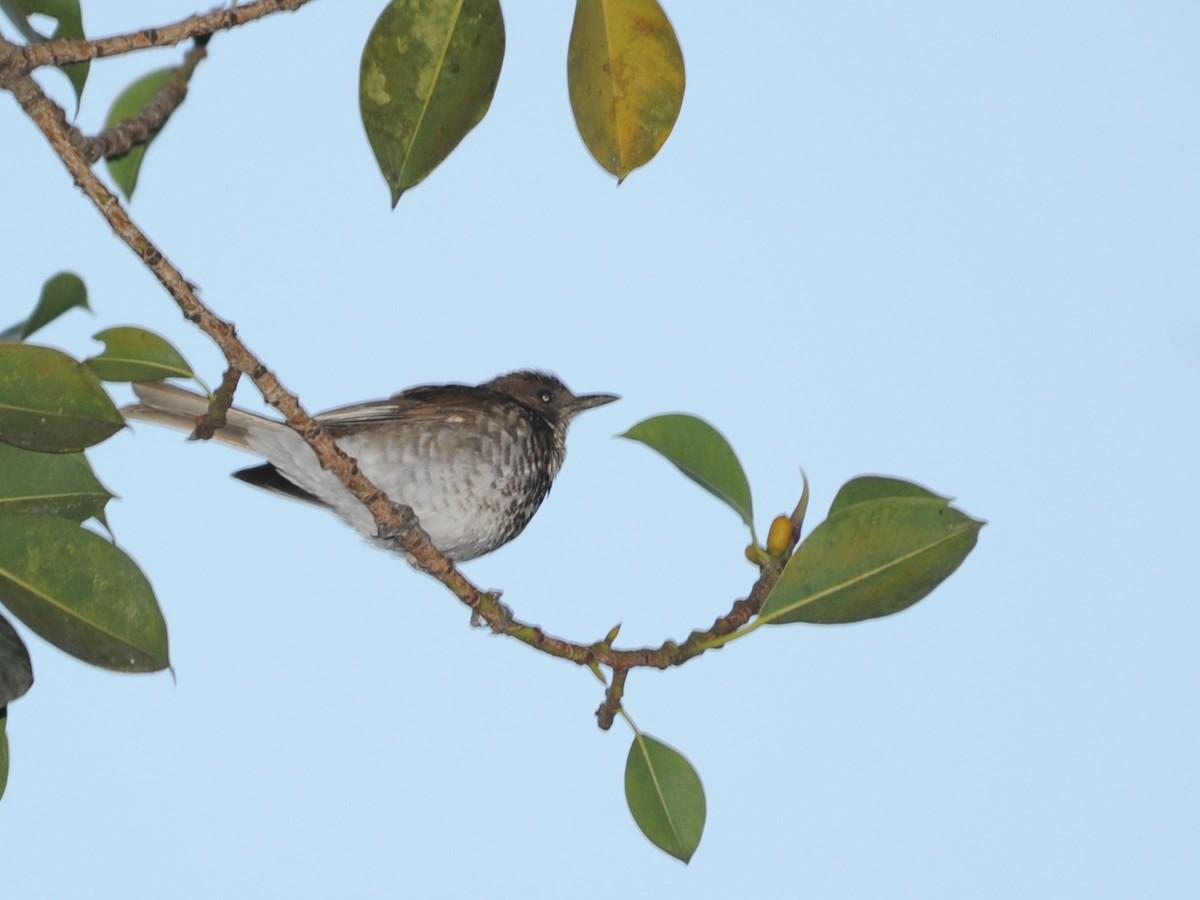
(950,242)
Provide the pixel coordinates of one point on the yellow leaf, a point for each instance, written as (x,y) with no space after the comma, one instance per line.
(626,80)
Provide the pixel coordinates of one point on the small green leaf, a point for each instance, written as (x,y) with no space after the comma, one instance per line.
(134,354)
(64,291)
(877,487)
(16,15)
(55,484)
(872,559)
(81,593)
(626,79)
(801,509)
(70,25)
(665,795)
(16,669)
(60,293)
(50,402)
(124,168)
(702,454)
(429,70)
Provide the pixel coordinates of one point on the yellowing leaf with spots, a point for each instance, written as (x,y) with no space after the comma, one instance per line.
(429,69)
(626,80)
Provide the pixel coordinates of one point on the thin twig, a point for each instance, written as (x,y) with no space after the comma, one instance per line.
(138,129)
(218,407)
(61,52)
(608,710)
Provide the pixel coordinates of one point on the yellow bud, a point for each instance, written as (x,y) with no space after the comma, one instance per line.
(781,537)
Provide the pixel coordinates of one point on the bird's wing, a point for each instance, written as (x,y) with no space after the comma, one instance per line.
(442,403)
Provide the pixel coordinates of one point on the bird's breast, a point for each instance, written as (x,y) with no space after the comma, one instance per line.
(473,484)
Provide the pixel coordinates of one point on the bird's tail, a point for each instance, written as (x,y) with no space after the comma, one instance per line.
(165,404)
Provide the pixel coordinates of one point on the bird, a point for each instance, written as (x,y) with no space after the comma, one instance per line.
(474,462)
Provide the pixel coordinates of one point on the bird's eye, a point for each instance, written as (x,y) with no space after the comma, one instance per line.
(545,396)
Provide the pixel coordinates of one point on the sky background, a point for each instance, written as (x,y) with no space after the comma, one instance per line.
(955,243)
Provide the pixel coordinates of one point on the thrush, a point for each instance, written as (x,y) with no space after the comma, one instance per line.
(474,463)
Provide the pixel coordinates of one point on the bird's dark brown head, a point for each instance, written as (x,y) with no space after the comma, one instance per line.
(549,397)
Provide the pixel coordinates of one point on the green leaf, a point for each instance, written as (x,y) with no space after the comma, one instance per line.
(16,669)
(12,9)
(64,291)
(665,795)
(871,559)
(876,487)
(55,484)
(70,25)
(51,402)
(134,354)
(131,101)
(429,70)
(702,454)
(626,79)
(81,593)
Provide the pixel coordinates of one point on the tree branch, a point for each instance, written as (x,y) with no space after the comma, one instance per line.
(51,119)
(61,52)
(397,524)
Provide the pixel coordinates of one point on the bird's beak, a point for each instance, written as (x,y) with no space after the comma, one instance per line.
(591,401)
